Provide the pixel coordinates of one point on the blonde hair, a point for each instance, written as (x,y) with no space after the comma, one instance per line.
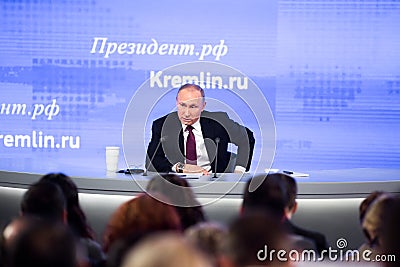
(165,250)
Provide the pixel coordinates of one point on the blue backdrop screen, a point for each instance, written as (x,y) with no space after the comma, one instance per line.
(329,70)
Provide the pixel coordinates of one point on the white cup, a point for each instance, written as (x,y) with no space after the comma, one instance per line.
(112,158)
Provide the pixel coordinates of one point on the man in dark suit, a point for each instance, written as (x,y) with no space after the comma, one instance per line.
(187,140)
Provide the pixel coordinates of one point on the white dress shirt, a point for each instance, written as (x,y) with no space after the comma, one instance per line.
(201,151)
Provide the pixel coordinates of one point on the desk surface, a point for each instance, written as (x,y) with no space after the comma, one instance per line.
(319,184)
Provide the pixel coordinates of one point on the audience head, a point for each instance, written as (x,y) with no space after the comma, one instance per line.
(367,202)
(181,196)
(17,225)
(209,238)
(10,233)
(380,212)
(291,190)
(120,248)
(43,243)
(140,214)
(75,215)
(390,233)
(165,250)
(251,233)
(45,200)
(269,196)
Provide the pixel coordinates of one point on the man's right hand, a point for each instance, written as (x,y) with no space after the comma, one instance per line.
(189,168)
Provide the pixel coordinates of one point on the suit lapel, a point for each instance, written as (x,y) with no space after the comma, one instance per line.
(181,146)
(172,129)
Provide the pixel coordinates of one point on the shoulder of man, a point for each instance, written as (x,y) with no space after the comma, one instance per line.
(162,119)
(214,115)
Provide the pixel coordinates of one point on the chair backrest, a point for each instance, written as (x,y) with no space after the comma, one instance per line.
(232,163)
(250,135)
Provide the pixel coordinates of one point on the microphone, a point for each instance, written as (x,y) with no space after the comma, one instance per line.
(162,139)
(216,157)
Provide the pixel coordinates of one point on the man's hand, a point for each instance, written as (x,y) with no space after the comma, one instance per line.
(239,170)
(189,168)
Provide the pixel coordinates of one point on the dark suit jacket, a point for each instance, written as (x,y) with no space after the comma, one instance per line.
(318,238)
(166,146)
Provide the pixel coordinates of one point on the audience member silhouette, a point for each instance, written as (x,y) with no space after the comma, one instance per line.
(390,232)
(44,243)
(363,208)
(10,233)
(270,195)
(120,248)
(140,214)
(367,202)
(250,239)
(76,218)
(181,196)
(209,238)
(379,214)
(165,250)
(291,207)
(44,200)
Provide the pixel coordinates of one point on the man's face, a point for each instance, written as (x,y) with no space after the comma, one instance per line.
(190,104)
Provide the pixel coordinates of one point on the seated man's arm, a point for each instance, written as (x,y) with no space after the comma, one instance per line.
(243,138)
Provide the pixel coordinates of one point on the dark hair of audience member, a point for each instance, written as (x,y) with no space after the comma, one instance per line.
(44,244)
(291,190)
(390,232)
(269,195)
(76,218)
(75,215)
(367,202)
(181,196)
(140,214)
(45,200)
(119,249)
(251,233)
(10,233)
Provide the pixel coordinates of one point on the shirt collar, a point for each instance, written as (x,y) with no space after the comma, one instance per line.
(196,126)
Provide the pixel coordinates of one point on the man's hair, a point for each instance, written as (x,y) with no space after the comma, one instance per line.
(249,234)
(45,200)
(291,190)
(269,196)
(192,86)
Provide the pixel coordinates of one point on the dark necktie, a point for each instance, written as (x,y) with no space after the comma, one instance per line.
(191,155)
